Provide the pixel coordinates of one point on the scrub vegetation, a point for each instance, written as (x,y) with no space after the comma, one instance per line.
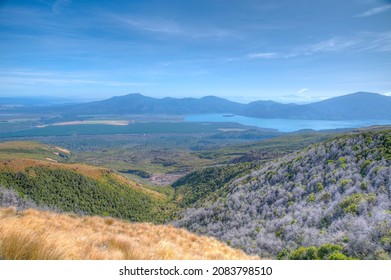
(337,192)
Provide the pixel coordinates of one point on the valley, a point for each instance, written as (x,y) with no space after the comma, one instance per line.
(275,195)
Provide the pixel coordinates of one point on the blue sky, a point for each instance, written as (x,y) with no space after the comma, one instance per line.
(243,50)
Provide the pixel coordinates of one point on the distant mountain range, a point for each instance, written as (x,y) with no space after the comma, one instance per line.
(360,105)
(140,104)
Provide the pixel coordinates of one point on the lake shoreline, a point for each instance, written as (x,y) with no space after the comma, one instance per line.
(286,125)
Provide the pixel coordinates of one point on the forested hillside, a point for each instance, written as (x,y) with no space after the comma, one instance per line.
(335,196)
(198,185)
(28,182)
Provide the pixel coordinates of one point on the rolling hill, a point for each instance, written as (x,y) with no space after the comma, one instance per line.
(31,177)
(335,195)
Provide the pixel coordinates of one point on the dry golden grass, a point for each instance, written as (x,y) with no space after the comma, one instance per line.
(34,234)
(106,122)
(21,145)
(29,149)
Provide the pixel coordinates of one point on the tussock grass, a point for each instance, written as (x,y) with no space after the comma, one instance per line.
(34,234)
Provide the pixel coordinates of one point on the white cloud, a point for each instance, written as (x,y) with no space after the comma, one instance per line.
(158,26)
(266,55)
(169,27)
(375,41)
(359,42)
(375,11)
(302,90)
(330,45)
(298,98)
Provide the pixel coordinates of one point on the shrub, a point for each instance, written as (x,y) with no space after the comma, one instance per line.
(311,198)
(324,252)
(303,253)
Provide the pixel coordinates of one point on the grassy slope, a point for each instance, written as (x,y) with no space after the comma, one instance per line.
(33,150)
(34,234)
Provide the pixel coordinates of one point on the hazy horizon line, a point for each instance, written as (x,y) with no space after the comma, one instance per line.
(279,99)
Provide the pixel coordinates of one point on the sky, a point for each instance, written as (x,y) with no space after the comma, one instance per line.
(243,50)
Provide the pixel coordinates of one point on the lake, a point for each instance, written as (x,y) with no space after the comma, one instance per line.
(285,125)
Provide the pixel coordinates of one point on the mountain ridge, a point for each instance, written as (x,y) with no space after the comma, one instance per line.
(354,106)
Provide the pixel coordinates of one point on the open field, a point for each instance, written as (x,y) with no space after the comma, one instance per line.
(106,122)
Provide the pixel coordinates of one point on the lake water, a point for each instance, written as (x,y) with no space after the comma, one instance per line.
(285,125)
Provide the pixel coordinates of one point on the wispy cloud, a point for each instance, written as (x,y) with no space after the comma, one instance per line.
(326,46)
(359,43)
(28,78)
(24,81)
(375,11)
(169,27)
(59,5)
(150,25)
(302,90)
(330,45)
(297,98)
(375,41)
(264,55)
